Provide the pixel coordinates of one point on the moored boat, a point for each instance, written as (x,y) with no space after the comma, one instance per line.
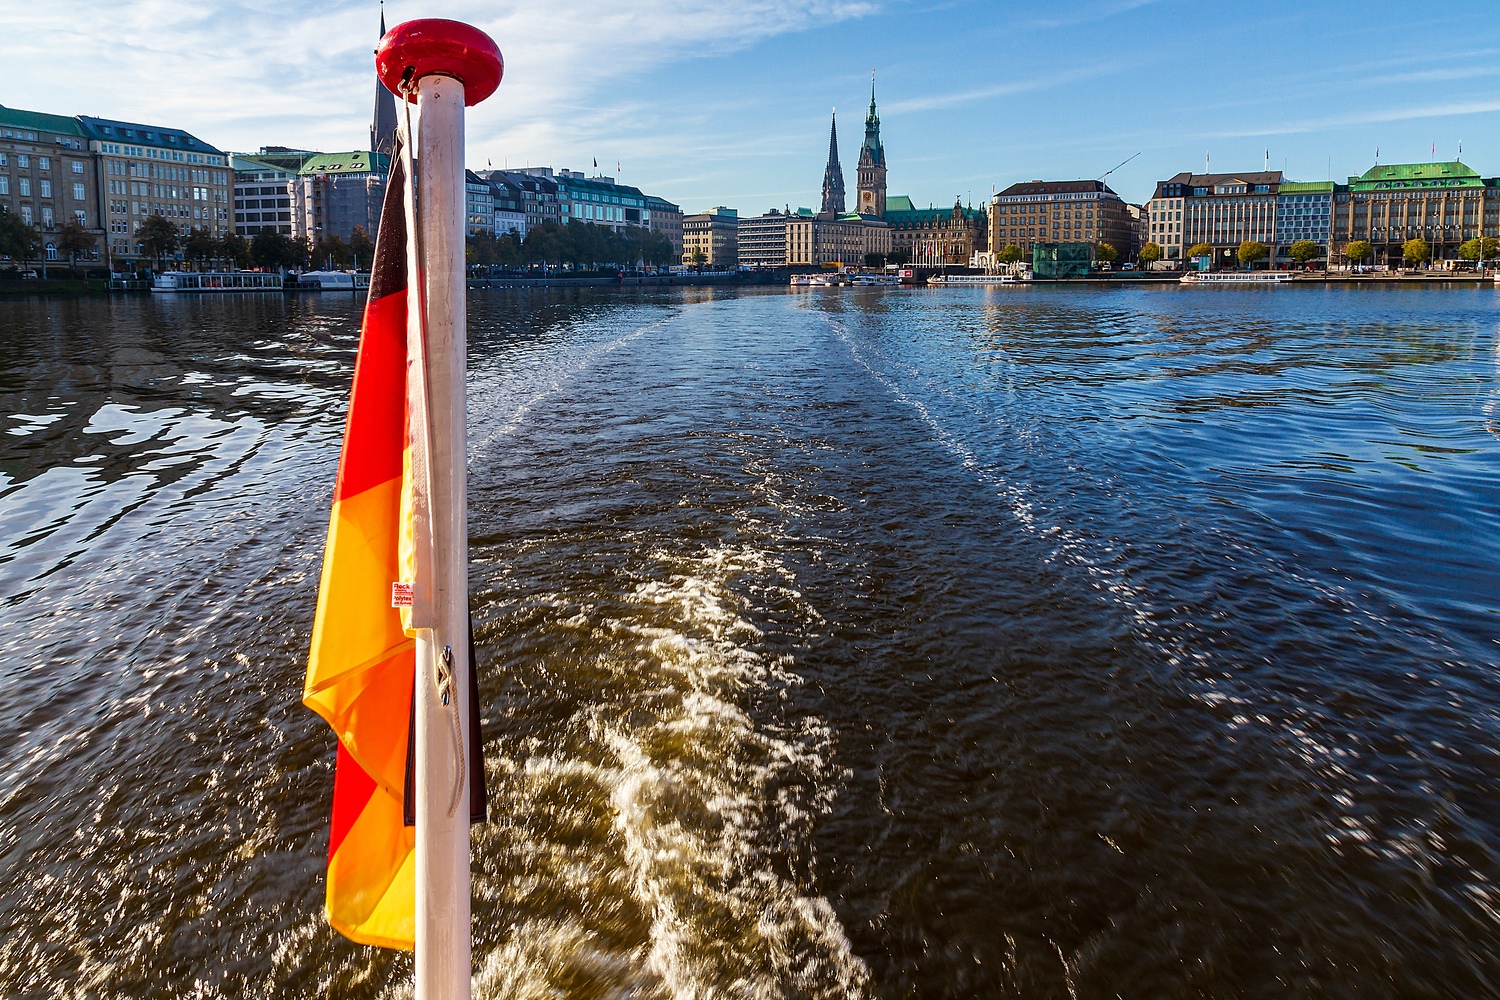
(971,280)
(217,281)
(1236,278)
(332,281)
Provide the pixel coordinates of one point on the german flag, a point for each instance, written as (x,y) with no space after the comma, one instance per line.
(361,669)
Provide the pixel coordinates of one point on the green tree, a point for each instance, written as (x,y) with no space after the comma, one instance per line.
(158,238)
(273,250)
(1303,251)
(361,247)
(74,240)
(1416,252)
(696,257)
(235,248)
(874,260)
(1359,251)
(1200,250)
(18,239)
(1251,251)
(1010,254)
(1107,253)
(1479,249)
(331,252)
(1150,254)
(200,246)
(900,257)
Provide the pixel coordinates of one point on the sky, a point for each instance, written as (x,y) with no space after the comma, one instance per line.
(706,102)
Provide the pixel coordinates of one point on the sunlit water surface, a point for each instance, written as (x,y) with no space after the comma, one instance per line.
(888,643)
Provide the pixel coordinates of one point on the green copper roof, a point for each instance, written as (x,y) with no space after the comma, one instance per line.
(899,203)
(1307,187)
(1416,175)
(358,161)
(37,121)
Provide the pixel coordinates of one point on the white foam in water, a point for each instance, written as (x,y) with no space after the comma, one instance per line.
(675,808)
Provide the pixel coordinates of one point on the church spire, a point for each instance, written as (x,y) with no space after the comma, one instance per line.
(383,126)
(833,174)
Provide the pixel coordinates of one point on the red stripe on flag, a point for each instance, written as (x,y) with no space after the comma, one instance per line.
(352,789)
(375,434)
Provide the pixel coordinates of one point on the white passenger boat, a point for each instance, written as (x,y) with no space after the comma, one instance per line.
(334,281)
(972,280)
(802,280)
(1236,277)
(217,281)
(876,279)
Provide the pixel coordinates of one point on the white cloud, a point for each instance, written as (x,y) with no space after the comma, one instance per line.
(255,72)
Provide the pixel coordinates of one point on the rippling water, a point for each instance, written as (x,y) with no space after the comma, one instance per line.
(888,643)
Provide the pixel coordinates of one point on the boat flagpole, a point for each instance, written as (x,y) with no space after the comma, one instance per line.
(438,67)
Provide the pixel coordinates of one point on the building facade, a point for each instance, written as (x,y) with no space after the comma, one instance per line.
(821,241)
(262,195)
(538,192)
(509,206)
(1304,212)
(762,239)
(1164,218)
(871,170)
(665,218)
(479,205)
(713,236)
(49,176)
(936,237)
(1442,203)
(146,170)
(1035,212)
(334,192)
(1224,210)
(599,200)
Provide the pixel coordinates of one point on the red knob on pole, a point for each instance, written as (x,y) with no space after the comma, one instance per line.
(415,49)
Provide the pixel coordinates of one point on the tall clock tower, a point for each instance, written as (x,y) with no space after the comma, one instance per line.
(872,164)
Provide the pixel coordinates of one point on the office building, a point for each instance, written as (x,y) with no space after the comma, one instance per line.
(1035,212)
(1304,212)
(479,205)
(665,218)
(1442,203)
(334,192)
(711,238)
(263,193)
(49,176)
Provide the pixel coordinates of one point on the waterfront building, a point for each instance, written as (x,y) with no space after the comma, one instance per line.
(146,170)
(934,237)
(762,239)
(1139,228)
(715,235)
(48,175)
(599,200)
(1222,210)
(479,205)
(665,218)
(1442,203)
(334,192)
(1164,219)
(263,193)
(871,170)
(538,193)
(1033,212)
(834,241)
(509,205)
(833,174)
(1303,212)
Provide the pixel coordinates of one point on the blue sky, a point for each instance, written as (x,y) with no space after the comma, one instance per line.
(710,103)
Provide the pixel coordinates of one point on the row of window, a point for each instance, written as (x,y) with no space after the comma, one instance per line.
(23,161)
(29,216)
(267,203)
(44,188)
(263,217)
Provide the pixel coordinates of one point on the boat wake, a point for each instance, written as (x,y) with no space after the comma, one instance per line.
(657,841)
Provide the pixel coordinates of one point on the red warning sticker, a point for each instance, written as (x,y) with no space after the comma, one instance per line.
(401,595)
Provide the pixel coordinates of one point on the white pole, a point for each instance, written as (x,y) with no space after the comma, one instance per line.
(442,790)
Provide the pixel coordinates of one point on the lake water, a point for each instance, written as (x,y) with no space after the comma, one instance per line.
(887,642)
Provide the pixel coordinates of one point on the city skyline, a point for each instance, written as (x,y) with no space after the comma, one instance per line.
(731,106)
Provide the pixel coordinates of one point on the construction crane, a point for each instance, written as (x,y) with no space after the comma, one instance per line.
(1117,166)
